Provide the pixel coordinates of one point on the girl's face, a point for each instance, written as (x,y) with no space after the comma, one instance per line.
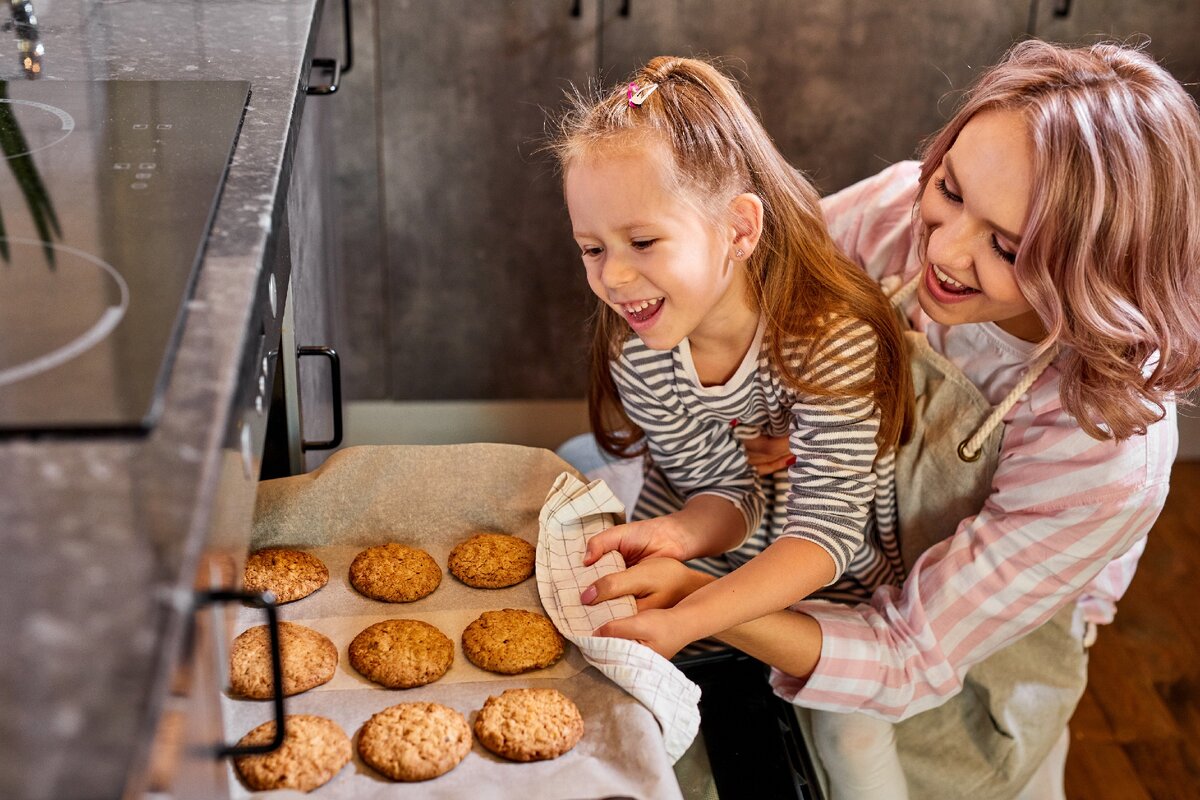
(650,255)
(973,210)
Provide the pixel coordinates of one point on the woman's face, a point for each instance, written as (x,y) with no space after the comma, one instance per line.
(973,210)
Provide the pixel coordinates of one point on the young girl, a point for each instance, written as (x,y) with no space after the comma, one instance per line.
(725,307)
(1055,257)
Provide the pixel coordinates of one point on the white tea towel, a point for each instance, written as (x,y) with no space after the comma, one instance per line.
(572,514)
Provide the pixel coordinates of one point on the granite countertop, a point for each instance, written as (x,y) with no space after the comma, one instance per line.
(100,538)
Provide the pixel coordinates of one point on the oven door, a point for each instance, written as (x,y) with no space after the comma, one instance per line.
(749,745)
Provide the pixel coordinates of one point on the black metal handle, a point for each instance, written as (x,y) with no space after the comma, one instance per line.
(265,601)
(1062,8)
(335,369)
(348,62)
(334,68)
(576,9)
(624,10)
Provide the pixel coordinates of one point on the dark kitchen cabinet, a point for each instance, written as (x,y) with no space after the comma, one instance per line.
(461,280)
(1170,29)
(313,233)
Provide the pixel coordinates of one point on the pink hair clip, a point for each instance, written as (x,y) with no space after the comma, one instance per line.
(637,96)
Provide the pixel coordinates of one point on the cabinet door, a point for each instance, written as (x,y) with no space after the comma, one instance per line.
(486,295)
(312,231)
(1171,28)
(845,87)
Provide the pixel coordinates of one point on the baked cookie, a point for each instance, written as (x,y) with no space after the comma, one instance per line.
(511,641)
(314,750)
(309,659)
(414,741)
(492,560)
(529,724)
(288,574)
(394,573)
(401,653)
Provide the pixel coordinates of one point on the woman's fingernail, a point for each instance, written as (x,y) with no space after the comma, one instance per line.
(588,595)
(733,423)
(791,460)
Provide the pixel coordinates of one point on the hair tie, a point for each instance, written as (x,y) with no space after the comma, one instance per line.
(637,96)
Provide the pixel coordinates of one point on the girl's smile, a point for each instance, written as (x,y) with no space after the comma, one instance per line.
(654,257)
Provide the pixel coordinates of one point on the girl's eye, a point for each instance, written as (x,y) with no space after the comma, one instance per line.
(940,183)
(590,252)
(1000,251)
(642,244)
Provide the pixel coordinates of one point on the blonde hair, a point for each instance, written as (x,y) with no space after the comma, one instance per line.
(1111,247)
(797,277)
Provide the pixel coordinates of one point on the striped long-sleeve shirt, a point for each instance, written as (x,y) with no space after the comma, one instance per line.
(1066,519)
(690,432)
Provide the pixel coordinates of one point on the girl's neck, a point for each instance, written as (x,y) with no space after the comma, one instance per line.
(719,348)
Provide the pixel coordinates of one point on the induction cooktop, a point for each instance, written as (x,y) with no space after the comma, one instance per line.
(107,193)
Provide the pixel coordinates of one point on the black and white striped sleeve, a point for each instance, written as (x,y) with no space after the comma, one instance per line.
(697,457)
(832,485)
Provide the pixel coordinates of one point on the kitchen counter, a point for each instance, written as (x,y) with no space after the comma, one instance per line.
(100,538)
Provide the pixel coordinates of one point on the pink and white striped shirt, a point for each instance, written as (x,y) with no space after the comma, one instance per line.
(1067,517)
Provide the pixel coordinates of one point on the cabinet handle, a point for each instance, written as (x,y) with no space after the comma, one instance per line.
(265,601)
(335,371)
(332,65)
(576,10)
(334,68)
(624,10)
(1062,8)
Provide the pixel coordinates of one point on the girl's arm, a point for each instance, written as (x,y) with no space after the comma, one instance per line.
(786,571)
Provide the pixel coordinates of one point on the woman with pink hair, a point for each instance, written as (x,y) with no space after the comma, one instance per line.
(1046,255)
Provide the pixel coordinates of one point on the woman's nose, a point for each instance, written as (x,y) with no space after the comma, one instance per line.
(950,244)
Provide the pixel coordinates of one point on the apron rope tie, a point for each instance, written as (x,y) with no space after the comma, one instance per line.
(970,448)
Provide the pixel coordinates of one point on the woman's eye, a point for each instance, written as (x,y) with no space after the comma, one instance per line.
(1005,254)
(940,183)
(642,244)
(590,252)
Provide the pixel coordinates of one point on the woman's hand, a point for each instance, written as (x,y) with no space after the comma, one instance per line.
(654,583)
(662,537)
(768,454)
(656,628)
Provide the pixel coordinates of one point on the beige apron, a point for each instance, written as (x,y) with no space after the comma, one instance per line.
(986,741)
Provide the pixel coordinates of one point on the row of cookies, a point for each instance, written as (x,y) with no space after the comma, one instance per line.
(413,741)
(394,572)
(394,653)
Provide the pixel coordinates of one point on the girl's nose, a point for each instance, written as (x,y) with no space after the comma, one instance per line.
(616,272)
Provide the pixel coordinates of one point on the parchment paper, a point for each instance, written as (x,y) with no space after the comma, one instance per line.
(433,498)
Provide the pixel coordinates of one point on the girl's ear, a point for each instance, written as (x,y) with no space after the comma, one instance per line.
(746,211)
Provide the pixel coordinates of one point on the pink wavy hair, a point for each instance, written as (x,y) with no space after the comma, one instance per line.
(1110,254)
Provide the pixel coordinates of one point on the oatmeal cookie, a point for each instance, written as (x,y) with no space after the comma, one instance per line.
(308,659)
(395,573)
(511,641)
(492,560)
(529,724)
(414,741)
(401,653)
(288,574)
(314,750)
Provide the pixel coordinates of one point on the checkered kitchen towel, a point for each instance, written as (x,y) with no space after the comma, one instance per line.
(572,514)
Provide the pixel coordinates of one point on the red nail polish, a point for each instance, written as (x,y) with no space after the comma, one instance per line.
(733,423)
(791,460)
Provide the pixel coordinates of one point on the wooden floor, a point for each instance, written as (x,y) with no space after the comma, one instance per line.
(1136,733)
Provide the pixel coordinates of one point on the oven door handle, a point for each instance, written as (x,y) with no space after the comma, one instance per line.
(335,375)
(265,601)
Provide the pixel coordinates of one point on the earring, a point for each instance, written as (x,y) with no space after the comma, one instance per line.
(739,253)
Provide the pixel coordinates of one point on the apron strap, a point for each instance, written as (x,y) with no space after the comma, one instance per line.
(969,448)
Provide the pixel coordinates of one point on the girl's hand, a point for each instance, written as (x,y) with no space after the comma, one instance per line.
(768,454)
(649,538)
(654,583)
(656,628)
